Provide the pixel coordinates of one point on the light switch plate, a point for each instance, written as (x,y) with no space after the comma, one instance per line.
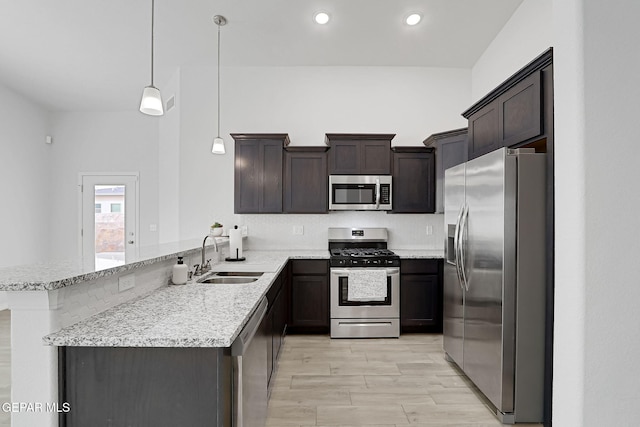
(429,230)
(153,227)
(244,230)
(126,282)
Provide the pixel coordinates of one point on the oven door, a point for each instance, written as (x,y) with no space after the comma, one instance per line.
(341,307)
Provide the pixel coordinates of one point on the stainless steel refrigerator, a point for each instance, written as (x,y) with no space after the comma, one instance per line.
(494,278)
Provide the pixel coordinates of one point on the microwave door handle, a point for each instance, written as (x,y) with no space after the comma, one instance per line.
(377,193)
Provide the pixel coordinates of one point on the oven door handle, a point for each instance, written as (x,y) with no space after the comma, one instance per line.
(345,271)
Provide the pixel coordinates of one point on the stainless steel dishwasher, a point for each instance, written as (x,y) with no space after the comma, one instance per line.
(249,359)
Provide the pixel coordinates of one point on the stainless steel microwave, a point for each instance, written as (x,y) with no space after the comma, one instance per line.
(359,193)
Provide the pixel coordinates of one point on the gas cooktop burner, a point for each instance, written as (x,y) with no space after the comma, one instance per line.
(362,252)
(363,257)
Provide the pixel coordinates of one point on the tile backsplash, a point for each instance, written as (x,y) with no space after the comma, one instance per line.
(406,231)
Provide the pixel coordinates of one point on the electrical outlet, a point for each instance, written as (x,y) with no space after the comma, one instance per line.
(244,230)
(429,230)
(126,282)
(298,230)
(153,227)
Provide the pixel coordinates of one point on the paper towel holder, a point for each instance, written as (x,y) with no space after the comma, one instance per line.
(237,258)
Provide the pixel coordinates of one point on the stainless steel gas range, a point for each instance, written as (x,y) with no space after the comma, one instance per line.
(365,284)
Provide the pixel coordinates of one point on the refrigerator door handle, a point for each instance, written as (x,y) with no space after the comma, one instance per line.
(456,246)
(464,223)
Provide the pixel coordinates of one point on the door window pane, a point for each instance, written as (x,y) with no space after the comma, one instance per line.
(109,226)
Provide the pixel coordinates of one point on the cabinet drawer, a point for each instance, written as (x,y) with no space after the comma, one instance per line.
(419,266)
(308,266)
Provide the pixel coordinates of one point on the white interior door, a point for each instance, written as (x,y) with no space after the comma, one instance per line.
(109,219)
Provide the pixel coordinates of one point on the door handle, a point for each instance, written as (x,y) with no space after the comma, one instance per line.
(464,225)
(377,193)
(456,246)
(131,242)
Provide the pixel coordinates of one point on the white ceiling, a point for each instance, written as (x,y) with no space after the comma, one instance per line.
(95,54)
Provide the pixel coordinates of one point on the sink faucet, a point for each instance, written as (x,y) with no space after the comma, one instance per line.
(203,268)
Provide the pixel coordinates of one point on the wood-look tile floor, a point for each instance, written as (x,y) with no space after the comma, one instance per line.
(372,382)
(5,365)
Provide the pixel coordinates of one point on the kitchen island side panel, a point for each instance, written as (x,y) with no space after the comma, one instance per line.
(144,386)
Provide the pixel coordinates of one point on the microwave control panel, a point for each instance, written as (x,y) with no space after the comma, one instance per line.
(385,190)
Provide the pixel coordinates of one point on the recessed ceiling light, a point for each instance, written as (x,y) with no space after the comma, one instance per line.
(413,19)
(321,18)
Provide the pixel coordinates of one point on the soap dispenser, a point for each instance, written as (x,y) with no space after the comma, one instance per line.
(180,273)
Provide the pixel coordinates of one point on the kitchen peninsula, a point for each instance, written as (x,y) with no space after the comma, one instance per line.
(44,298)
(91,311)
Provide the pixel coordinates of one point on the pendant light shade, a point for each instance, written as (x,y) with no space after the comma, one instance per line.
(218,142)
(151,102)
(218,146)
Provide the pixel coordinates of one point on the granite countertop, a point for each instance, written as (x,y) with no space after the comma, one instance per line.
(55,275)
(195,314)
(419,253)
(191,315)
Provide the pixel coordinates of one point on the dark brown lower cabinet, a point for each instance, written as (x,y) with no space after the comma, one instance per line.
(421,295)
(276,322)
(309,296)
(139,386)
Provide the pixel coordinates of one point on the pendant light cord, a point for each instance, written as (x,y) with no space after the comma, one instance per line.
(218,80)
(152,32)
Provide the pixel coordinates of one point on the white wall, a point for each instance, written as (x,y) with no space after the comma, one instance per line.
(526,35)
(597,345)
(100,142)
(306,103)
(24,180)
(169,165)
(405,231)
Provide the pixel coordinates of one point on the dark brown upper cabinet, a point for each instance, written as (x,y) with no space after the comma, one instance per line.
(511,115)
(258,177)
(305,175)
(359,154)
(413,180)
(451,150)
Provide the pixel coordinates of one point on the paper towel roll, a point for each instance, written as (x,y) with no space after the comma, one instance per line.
(235,242)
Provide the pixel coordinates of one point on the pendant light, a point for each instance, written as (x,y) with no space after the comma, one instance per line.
(218,142)
(151,103)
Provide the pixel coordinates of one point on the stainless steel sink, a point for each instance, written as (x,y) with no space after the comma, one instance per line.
(238,280)
(239,273)
(238,277)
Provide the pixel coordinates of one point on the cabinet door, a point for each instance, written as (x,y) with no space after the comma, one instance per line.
(418,300)
(268,330)
(483,131)
(344,158)
(271,194)
(279,324)
(414,182)
(248,177)
(520,112)
(306,183)
(450,152)
(258,176)
(375,158)
(309,301)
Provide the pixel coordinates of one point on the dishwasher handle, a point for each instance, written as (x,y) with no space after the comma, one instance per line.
(243,340)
